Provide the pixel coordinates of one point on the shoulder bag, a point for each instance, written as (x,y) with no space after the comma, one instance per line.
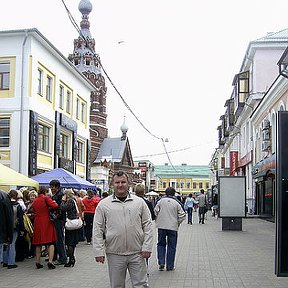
(52,213)
(74,224)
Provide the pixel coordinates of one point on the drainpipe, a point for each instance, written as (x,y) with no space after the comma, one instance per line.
(22,103)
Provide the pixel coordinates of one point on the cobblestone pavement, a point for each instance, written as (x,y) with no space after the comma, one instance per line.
(206,257)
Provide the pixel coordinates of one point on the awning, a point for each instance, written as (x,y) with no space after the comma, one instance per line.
(267,164)
(66,179)
(10,177)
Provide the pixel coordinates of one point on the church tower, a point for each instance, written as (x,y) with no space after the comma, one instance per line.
(88,63)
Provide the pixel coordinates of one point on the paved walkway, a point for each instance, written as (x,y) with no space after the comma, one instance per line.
(206,257)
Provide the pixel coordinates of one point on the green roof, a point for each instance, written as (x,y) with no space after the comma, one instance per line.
(190,171)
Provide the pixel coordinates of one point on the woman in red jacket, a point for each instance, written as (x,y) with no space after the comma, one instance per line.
(44,229)
(90,203)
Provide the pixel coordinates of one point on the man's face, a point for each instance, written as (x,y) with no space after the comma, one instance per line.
(120,185)
(54,189)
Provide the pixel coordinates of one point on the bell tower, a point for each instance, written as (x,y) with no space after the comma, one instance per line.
(87,62)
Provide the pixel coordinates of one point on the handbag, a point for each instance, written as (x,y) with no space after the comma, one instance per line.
(29,229)
(74,224)
(52,213)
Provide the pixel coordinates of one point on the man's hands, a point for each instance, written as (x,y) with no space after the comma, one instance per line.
(100,259)
(145,254)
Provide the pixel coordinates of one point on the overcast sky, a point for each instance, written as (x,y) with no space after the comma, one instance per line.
(174,64)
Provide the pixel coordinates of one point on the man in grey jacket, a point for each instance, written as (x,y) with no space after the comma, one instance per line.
(202,202)
(169,215)
(122,229)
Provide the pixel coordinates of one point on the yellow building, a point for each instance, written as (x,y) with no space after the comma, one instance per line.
(184,178)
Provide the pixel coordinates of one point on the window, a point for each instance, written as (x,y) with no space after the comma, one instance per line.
(68,102)
(49,89)
(61,97)
(63,146)
(4,132)
(80,152)
(207,185)
(188,185)
(164,185)
(83,110)
(43,138)
(4,76)
(200,185)
(40,82)
(194,185)
(243,86)
(77,108)
(181,185)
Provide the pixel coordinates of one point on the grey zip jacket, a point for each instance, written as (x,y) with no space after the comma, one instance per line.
(122,228)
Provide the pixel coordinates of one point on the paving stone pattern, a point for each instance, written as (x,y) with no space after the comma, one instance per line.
(207,257)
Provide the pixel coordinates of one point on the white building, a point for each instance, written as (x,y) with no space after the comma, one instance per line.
(239,146)
(44,106)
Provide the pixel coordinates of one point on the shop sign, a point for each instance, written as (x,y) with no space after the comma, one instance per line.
(245,160)
(233,162)
(267,164)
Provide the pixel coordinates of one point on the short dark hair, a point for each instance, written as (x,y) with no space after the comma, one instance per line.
(54,183)
(42,190)
(202,191)
(170,191)
(120,173)
(13,194)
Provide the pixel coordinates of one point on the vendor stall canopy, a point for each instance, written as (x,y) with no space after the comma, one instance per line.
(66,179)
(10,177)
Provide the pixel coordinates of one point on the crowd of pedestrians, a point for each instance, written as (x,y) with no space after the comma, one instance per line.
(119,225)
(49,239)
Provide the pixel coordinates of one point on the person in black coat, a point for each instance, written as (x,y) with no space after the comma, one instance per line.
(140,192)
(6,221)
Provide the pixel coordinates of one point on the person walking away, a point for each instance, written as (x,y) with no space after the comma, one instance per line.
(169,215)
(140,191)
(202,202)
(9,254)
(188,206)
(215,206)
(60,256)
(44,229)
(68,205)
(6,222)
(122,230)
(90,203)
